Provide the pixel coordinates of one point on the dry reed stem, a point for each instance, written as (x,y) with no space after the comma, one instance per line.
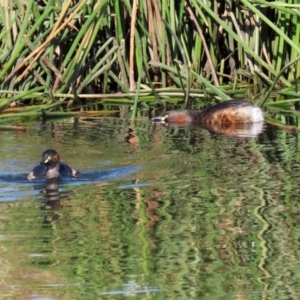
(38,51)
(131,50)
(212,67)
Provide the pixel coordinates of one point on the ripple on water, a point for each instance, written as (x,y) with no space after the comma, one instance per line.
(206,217)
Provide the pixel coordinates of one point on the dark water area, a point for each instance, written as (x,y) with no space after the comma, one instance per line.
(158,213)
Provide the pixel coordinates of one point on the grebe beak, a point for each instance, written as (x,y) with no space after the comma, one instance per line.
(160,119)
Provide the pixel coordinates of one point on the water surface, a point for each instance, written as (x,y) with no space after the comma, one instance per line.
(159,213)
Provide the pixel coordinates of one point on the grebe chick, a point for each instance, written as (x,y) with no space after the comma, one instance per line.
(51,167)
(227,112)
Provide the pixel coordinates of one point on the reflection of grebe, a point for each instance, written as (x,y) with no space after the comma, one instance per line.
(51,167)
(228,112)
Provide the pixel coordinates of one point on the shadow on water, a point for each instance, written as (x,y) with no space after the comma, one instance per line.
(205,217)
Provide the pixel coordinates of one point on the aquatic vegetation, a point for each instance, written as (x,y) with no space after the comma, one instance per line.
(97,55)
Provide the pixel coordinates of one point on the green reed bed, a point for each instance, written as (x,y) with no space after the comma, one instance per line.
(63,56)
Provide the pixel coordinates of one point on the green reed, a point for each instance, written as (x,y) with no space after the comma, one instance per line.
(132,49)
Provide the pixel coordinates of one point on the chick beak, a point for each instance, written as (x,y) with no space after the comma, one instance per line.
(46,160)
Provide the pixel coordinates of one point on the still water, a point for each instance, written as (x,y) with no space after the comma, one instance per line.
(158,213)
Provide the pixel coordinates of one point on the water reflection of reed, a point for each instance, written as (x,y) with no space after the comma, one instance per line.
(218,219)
